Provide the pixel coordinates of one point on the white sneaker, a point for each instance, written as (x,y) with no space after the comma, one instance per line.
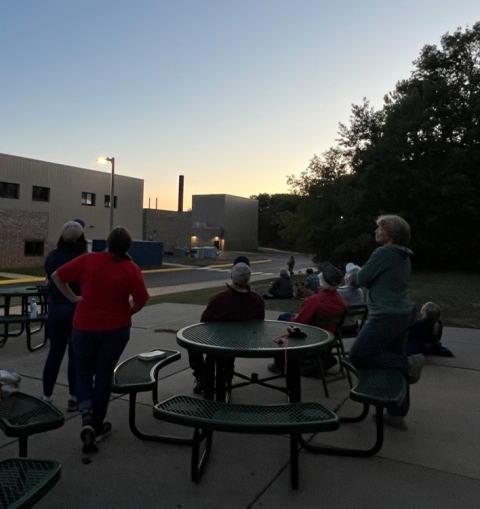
(395,421)
(416,363)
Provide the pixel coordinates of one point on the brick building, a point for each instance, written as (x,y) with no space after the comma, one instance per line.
(38,197)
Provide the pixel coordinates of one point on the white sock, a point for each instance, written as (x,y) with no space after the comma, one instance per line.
(48,399)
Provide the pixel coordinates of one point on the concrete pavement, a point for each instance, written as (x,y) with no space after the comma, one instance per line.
(433,464)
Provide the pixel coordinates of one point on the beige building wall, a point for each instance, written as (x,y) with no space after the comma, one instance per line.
(225,221)
(234,218)
(66,185)
(172,228)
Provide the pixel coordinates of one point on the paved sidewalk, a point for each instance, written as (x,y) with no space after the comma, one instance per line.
(433,464)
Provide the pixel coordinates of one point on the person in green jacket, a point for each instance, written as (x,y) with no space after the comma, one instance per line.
(382,341)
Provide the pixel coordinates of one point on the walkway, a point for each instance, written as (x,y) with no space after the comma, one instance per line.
(434,464)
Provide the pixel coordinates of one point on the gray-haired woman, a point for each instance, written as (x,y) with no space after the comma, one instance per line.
(382,341)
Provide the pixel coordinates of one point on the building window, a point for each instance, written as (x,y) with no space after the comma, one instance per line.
(40,193)
(34,247)
(88,199)
(9,190)
(107,201)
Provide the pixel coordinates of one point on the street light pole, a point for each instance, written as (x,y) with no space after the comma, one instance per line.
(112,190)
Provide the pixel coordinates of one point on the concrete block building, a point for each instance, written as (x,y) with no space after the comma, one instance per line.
(38,197)
(227,222)
(172,228)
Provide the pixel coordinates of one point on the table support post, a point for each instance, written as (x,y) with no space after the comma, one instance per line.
(209,374)
(294,384)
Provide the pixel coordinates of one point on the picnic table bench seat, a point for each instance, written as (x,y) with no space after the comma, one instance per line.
(381,388)
(27,322)
(207,416)
(135,375)
(22,415)
(24,481)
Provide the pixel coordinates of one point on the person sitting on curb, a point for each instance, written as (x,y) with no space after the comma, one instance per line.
(313,281)
(349,291)
(353,295)
(237,303)
(326,302)
(281,288)
(425,334)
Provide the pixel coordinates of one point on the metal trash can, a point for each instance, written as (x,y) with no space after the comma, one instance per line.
(210,252)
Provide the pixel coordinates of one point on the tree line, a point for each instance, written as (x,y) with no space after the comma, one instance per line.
(418,156)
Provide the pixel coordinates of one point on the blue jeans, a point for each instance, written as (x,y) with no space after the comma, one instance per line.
(286,317)
(96,355)
(382,343)
(59,331)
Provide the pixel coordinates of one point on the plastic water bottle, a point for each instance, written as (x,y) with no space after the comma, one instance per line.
(33,308)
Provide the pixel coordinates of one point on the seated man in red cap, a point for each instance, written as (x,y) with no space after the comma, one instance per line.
(326,302)
(236,304)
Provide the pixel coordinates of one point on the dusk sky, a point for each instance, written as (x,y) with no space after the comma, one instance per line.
(233,94)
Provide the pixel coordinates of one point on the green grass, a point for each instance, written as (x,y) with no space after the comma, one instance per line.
(28,271)
(456,293)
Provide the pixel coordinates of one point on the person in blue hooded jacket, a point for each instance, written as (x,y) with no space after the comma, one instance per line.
(383,339)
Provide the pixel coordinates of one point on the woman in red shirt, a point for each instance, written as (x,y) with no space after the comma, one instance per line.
(101,324)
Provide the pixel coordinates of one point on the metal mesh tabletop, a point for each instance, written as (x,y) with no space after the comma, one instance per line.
(24,481)
(384,386)
(189,411)
(251,339)
(135,374)
(22,291)
(22,414)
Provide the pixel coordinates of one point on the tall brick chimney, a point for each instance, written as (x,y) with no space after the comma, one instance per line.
(180,193)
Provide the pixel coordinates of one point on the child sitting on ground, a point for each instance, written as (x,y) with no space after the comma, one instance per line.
(424,336)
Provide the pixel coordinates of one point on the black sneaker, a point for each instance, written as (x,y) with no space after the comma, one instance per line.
(198,385)
(275,368)
(104,432)
(88,438)
(72,406)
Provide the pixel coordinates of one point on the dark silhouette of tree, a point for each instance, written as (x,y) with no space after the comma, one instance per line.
(273,213)
(418,157)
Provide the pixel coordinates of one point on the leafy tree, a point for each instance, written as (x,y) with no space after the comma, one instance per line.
(418,157)
(273,211)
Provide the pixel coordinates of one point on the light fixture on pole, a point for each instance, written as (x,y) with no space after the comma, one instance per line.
(103,160)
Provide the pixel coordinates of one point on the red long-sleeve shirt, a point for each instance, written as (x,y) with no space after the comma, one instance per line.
(325,302)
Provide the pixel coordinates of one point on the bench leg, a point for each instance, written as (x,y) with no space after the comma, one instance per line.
(360,418)
(341,354)
(151,438)
(340,451)
(22,446)
(199,462)
(6,334)
(294,460)
(29,338)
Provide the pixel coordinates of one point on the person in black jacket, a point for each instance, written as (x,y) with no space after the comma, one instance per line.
(72,243)
(290,265)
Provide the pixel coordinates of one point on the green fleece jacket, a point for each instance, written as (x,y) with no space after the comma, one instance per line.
(386,275)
